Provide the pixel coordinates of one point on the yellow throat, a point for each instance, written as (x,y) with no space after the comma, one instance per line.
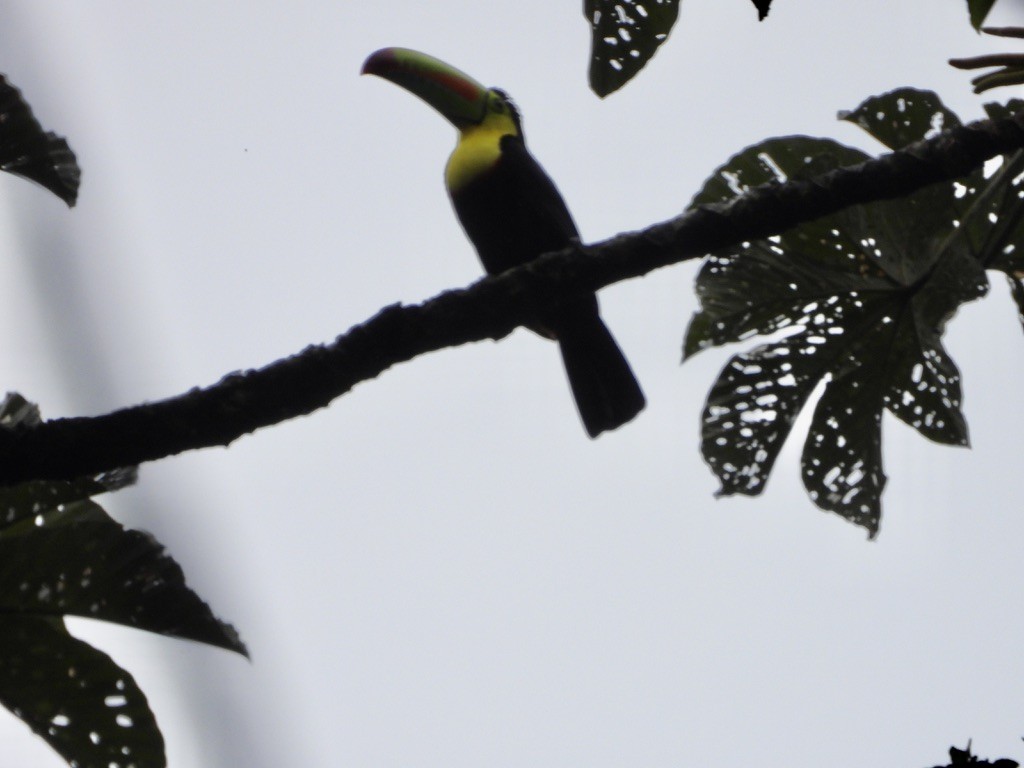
(478,149)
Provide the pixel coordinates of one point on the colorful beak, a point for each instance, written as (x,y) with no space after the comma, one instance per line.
(456,95)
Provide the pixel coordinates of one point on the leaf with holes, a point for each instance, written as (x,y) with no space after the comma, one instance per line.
(74,559)
(75,697)
(624,36)
(988,203)
(862,297)
(998,227)
(60,555)
(32,153)
(902,116)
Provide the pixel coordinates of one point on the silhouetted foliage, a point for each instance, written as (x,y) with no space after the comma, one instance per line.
(624,36)
(863,296)
(963,758)
(32,153)
(979,11)
(62,555)
(855,303)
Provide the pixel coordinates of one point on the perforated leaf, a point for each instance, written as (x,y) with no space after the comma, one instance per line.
(74,559)
(987,203)
(60,555)
(998,227)
(624,36)
(897,118)
(75,697)
(864,296)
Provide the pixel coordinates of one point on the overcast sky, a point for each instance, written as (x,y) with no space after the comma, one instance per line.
(441,569)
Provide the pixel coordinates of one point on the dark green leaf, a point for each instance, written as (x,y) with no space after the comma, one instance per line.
(997,111)
(874,342)
(32,153)
(992,211)
(73,559)
(925,384)
(897,362)
(624,35)
(775,160)
(28,500)
(75,697)
(842,457)
(61,554)
(864,296)
(750,411)
(902,116)
(979,10)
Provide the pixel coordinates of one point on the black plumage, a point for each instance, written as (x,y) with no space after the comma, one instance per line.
(513,213)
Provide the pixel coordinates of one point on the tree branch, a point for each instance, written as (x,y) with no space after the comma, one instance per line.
(491,308)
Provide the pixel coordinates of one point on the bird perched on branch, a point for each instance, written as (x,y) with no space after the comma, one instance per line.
(512,213)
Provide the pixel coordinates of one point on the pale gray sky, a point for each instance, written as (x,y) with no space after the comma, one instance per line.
(440,569)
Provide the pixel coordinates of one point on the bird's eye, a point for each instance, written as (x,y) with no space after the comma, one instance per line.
(499,106)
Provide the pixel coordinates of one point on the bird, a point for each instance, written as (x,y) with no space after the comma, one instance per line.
(512,212)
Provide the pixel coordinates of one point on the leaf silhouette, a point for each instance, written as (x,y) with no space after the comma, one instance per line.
(997,228)
(61,554)
(763,6)
(75,697)
(28,151)
(979,10)
(902,116)
(625,34)
(862,297)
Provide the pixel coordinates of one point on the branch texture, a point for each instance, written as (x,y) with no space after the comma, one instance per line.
(491,308)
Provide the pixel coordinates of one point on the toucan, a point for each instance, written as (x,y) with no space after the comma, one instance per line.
(513,213)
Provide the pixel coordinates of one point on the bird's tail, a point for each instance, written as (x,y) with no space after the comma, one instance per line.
(606,391)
